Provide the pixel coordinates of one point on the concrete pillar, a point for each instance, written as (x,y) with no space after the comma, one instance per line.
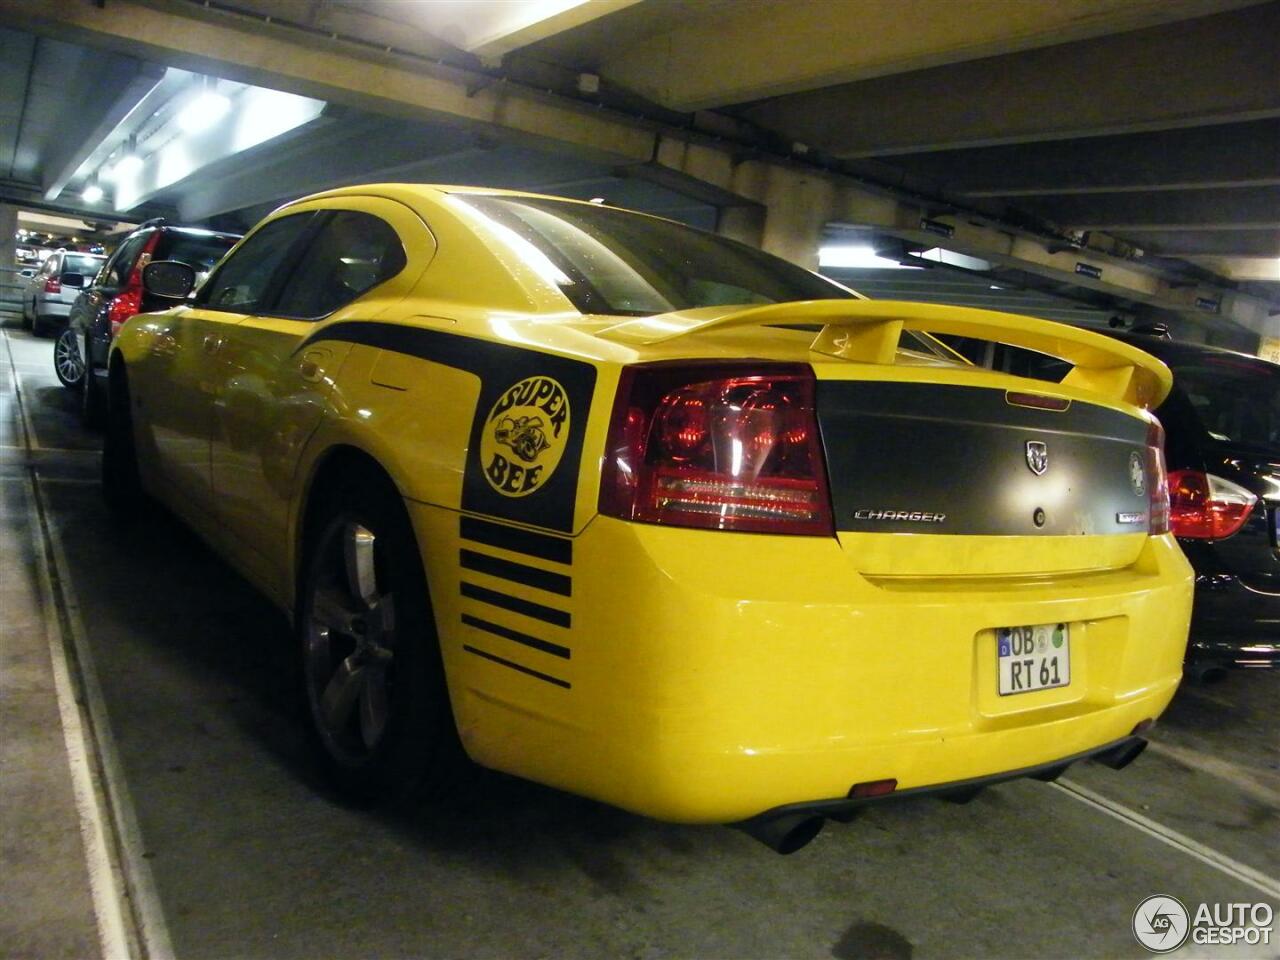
(796,211)
(8,229)
(744,224)
(10,292)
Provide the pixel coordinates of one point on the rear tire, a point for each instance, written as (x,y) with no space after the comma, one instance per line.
(41,326)
(121,482)
(68,363)
(376,699)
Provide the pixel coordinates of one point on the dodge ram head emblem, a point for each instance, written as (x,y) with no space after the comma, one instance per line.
(1037,457)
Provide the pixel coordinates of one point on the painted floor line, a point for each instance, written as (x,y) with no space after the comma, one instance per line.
(1179,841)
(1247,781)
(32,442)
(105,885)
(148,915)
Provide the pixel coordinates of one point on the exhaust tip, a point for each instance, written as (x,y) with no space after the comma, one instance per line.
(785,834)
(1206,673)
(1123,755)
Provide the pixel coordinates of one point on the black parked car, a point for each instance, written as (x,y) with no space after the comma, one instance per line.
(116,295)
(1222,428)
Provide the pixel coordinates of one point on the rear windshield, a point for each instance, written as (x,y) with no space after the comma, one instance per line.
(614,262)
(198,250)
(82,264)
(1236,399)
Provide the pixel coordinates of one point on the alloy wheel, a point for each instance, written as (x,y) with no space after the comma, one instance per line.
(349,639)
(67,360)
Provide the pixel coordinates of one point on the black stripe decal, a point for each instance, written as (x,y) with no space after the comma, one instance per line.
(546,646)
(499,366)
(516,572)
(555,549)
(559,618)
(515,666)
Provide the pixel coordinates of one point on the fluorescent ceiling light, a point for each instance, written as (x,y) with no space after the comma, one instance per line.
(858,258)
(127,166)
(203,112)
(92,193)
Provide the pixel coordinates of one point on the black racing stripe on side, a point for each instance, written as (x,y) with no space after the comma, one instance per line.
(546,646)
(559,618)
(515,666)
(555,549)
(516,572)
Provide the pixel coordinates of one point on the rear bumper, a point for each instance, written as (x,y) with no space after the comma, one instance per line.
(1233,624)
(48,307)
(709,677)
(1118,755)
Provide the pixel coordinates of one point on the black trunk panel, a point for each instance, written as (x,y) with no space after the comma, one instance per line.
(900,454)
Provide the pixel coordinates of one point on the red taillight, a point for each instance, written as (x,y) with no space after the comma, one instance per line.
(730,446)
(53,285)
(1205,507)
(129,301)
(1157,480)
(122,307)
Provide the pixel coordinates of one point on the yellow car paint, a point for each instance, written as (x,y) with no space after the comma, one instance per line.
(692,675)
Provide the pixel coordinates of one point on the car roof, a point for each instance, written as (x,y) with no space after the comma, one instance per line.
(1183,350)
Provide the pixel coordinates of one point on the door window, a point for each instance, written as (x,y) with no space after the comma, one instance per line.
(244,279)
(353,253)
(117,272)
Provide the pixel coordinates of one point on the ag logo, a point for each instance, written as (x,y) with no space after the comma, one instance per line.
(1161,923)
(524,436)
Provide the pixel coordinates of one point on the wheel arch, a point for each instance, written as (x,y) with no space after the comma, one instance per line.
(334,465)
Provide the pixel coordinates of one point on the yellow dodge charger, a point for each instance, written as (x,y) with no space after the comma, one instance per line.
(636,511)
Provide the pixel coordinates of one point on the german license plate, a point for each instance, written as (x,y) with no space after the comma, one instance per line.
(1031,658)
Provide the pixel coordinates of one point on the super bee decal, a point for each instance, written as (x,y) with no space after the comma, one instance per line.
(524,436)
(532,413)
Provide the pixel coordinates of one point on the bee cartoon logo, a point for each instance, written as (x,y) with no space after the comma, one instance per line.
(524,436)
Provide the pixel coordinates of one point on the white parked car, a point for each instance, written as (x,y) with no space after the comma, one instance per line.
(47,297)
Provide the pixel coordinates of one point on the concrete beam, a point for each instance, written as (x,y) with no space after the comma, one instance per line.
(781,48)
(1263,242)
(1228,69)
(1248,207)
(108,107)
(1221,155)
(270,56)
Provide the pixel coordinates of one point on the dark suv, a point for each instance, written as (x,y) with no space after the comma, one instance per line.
(1222,428)
(116,295)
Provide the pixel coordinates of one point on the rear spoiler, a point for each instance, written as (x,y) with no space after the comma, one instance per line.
(867,331)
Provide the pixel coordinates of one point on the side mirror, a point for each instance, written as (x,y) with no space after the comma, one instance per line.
(168,279)
(73,279)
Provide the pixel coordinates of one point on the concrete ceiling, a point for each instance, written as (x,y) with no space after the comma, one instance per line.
(1147,131)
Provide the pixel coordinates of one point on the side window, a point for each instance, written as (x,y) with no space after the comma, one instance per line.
(244,277)
(354,252)
(122,262)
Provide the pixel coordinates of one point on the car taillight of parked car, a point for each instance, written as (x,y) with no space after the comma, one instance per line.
(1205,507)
(727,446)
(122,307)
(129,300)
(53,285)
(1157,480)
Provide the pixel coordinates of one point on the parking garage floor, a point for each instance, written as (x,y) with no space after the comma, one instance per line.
(164,781)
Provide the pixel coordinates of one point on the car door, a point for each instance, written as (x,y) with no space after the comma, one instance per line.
(274,388)
(186,343)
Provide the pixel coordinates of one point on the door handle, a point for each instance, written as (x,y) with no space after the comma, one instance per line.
(211,343)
